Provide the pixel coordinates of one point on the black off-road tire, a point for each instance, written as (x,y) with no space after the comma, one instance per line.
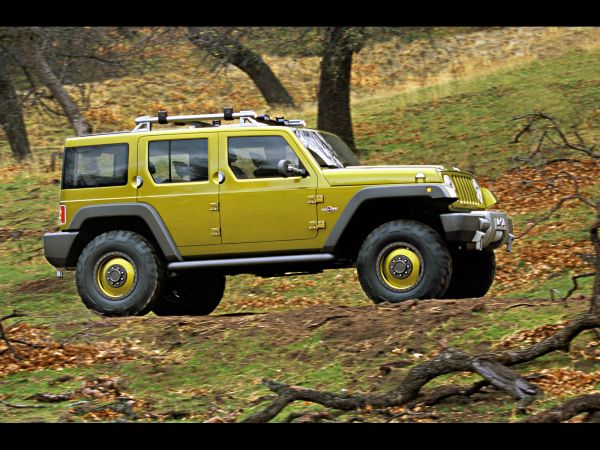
(190,294)
(149,273)
(473,273)
(436,262)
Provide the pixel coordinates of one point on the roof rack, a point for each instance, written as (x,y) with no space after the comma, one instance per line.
(144,123)
(264,118)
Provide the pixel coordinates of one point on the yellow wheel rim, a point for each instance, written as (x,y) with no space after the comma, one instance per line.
(400,268)
(115,277)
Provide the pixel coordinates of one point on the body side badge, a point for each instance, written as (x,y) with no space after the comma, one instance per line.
(329,209)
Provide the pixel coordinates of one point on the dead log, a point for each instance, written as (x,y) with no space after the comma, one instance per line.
(492,366)
(571,408)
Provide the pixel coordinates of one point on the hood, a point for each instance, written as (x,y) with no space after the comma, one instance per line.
(367,175)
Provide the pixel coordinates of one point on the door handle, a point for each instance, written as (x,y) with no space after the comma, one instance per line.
(220,177)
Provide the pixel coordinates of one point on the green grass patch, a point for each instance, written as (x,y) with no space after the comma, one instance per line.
(559,286)
(494,325)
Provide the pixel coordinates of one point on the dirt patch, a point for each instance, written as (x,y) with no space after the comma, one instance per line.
(375,344)
(374,329)
(44,286)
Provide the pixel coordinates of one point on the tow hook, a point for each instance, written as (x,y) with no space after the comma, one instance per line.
(509,242)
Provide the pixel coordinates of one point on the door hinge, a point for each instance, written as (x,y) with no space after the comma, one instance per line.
(315,199)
(214,206)
(316,224)
(215,231)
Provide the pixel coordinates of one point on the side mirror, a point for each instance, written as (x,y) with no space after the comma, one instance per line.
(287,169)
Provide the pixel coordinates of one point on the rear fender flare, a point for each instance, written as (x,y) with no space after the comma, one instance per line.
(142,210)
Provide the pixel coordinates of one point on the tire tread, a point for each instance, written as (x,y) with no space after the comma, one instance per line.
(420,231)
(139,244)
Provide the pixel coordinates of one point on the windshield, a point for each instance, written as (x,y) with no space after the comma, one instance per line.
(327,149)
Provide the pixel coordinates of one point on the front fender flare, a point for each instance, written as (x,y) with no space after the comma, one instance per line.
(420,190)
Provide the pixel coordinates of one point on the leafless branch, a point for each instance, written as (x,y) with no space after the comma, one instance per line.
(575,286)
(553,210)
(518,305)
(3,335)
(547,129)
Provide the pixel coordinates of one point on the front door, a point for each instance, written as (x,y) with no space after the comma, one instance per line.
(257,203)
(176,181)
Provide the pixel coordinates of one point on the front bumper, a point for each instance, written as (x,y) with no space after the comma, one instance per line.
(57,247)
(479,230)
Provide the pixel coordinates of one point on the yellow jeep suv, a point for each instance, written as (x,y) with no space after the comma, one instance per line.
(154,219)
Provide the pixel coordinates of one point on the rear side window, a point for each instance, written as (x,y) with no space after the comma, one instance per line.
(178,161)
(95,166)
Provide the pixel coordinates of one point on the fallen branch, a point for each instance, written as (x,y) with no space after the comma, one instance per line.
(408,412)
(584,404)
(19,406)
(28,344)
(518,305)
(322,322)
(453,390)
(310,417)
(491,366)
(52,398)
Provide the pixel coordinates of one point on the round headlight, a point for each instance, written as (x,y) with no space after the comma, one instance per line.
(478,191)
(450,186)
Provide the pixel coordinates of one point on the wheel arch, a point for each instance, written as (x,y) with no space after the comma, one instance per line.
(371,207)
(140,218)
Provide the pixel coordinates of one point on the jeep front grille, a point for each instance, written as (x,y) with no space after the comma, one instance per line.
(467,197)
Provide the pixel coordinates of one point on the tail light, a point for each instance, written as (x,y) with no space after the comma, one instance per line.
(62,214)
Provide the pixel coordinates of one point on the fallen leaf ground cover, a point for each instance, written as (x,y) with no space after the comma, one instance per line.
(210,368)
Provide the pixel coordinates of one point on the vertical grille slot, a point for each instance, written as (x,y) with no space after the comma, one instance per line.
(467,197)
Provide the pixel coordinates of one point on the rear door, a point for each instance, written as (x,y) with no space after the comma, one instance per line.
(177,181)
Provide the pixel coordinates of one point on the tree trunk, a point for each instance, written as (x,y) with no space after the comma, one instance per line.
(33,58)
(334,86)
(11,116)
(221,45)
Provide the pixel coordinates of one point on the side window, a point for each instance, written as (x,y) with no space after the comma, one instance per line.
(95,166)
(258,156)
(178,161)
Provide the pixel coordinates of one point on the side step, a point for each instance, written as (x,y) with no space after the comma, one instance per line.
(318,257)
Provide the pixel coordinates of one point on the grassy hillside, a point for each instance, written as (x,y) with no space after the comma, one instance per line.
(207,367)
(469,123)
